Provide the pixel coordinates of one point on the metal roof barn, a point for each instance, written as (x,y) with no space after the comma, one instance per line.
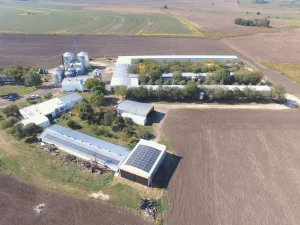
(85,146)
(143,162)
(136,111)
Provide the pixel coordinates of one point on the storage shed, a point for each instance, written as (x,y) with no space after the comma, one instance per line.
(138,112)
(143,162)
(85,146)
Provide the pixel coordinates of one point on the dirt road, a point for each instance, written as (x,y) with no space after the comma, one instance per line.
(18,200)
(237,167)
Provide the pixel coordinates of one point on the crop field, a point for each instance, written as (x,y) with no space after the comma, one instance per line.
(237,167)
(18,202)
(271,4)
(36,20)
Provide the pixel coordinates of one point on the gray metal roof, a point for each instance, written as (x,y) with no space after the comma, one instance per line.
(70,97)
(85,146)
(136,108)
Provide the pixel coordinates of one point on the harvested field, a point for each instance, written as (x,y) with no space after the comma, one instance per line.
(277,47)
(18,200)
(237,167)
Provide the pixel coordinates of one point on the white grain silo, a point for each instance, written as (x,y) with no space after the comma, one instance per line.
(58,75)
(79,68)
(68,58)
(83,57)
(70,72)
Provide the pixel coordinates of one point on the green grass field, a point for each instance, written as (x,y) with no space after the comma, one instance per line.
(51,19)
(20,90)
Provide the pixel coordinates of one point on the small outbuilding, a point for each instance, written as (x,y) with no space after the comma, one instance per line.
(138,112)
(143,162)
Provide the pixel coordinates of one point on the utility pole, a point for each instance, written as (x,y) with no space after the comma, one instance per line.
(75,45)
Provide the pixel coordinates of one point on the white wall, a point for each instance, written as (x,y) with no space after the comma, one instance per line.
(72,87)
(136,119)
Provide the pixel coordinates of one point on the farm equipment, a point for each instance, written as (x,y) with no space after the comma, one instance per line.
(149,207)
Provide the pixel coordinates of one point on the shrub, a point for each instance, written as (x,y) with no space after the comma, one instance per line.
(9,122)
(108,119)
(48,96)
(127,121)
(145,134)
(32,129)
(278,92)
(101,131)
(11,110)
(73,125)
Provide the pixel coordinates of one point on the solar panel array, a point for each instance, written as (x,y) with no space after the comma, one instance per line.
(143,158)
(79,148)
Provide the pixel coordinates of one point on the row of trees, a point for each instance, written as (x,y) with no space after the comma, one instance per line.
(258,22)
(147,66)
(223,76)
(20,72)
(191,92)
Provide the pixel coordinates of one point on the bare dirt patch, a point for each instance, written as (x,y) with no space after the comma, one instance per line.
(18,202)
(237,167)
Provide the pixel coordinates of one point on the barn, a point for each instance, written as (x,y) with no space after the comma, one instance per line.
(138,112)
(143,162)
(85,146)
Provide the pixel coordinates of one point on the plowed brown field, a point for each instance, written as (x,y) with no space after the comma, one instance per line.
(237,168)
(18,200)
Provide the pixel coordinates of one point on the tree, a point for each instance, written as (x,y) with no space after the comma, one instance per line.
(177,75)
(11,110)
(278,92)
(18,131)
(258,13)
(73,125)
(16,71)
(98,117)
(85,111)
(191,90)
(121,90)
(9,122)
(108,119)
(145,134)
(48,96)
(99,89)
(165,7)
(143,78)
(91,83)
(133,69)
(97,99)
(32,129)
(118,124)
(32,79)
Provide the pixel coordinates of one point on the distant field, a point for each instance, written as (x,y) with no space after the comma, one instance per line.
(290,70)
(33,20)
(272,4)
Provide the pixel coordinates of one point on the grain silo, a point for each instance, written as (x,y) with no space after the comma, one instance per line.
(83,57)
(79,68)
(70,72)
(58,75)
(68,58)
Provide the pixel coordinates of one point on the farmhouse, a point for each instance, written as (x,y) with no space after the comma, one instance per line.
(71,84)
(121,76)
(143,162)
(136,111)
(40,113)
(84,146)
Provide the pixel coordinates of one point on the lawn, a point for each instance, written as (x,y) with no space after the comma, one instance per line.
(20,90)
(290,70)
(49,19)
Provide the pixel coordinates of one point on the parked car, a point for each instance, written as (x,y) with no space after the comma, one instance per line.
(34,96)
(42,71)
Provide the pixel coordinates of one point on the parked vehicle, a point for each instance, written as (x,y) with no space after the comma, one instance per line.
(34,96)
(42,71)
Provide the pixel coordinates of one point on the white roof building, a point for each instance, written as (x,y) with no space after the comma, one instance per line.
(138,112)
(49,109)
(71,84)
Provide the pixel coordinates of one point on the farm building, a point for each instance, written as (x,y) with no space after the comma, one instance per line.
(71,84)
(84,146)
(136,111)
(143,162)
(49,109)
(121,76)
